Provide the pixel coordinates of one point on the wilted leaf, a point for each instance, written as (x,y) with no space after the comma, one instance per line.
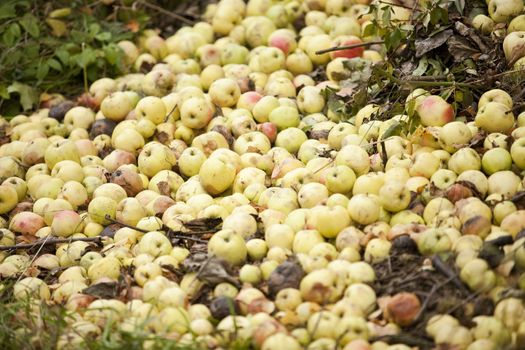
(216,270)
(519,199)
(58,27)
(28,95)
(104,290)
(286,275)
(164,188)
(429,44)
(460,48)
(58,13)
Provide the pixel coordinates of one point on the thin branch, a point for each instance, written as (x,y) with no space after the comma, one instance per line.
(113,221)
(415,7)
(189,238)
(176,236)
(49,242)
(348,47)
(167,13)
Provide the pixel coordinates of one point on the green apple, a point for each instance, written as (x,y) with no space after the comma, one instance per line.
(228,245)
(496,159)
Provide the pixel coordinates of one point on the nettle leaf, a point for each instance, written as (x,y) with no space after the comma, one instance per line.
(30,24)
(63,56)
(85,58)
(104,36)
(54,64)
(42,70)
(32,50)
(94,29)
(114,54)
(28,95)
(8,10)
(12,34)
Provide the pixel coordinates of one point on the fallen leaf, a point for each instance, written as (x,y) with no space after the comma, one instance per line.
(104,290)
(429,44)
(28,95)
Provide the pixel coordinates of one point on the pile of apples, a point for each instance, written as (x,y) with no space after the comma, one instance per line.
(228,123)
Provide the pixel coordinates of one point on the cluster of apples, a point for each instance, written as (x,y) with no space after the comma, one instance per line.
(506,19)
(229,123)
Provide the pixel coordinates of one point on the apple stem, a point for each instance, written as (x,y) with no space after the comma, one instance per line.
(348,47)
(49,242)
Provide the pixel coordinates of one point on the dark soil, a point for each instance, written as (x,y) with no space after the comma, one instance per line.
(437,285)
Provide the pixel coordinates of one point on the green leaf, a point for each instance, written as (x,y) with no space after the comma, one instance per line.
(85,58)
(3,92)
(42,70)
(28,95)
(387,13)
(94,29)
(438,14)
(393,39)
(32,50)
(30,24)
(112,54)
(393,130)
(7,10)
(460,5)
(421,67)
(63,56)
(411,107)
(11,34)
(369,30)
(104,36)
(52,63)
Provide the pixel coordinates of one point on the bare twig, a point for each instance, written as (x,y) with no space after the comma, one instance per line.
(440,266)
(415,7)
(171,232)
(166,12)
(113,221)
(49,242)
(189,238)
(348,47)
